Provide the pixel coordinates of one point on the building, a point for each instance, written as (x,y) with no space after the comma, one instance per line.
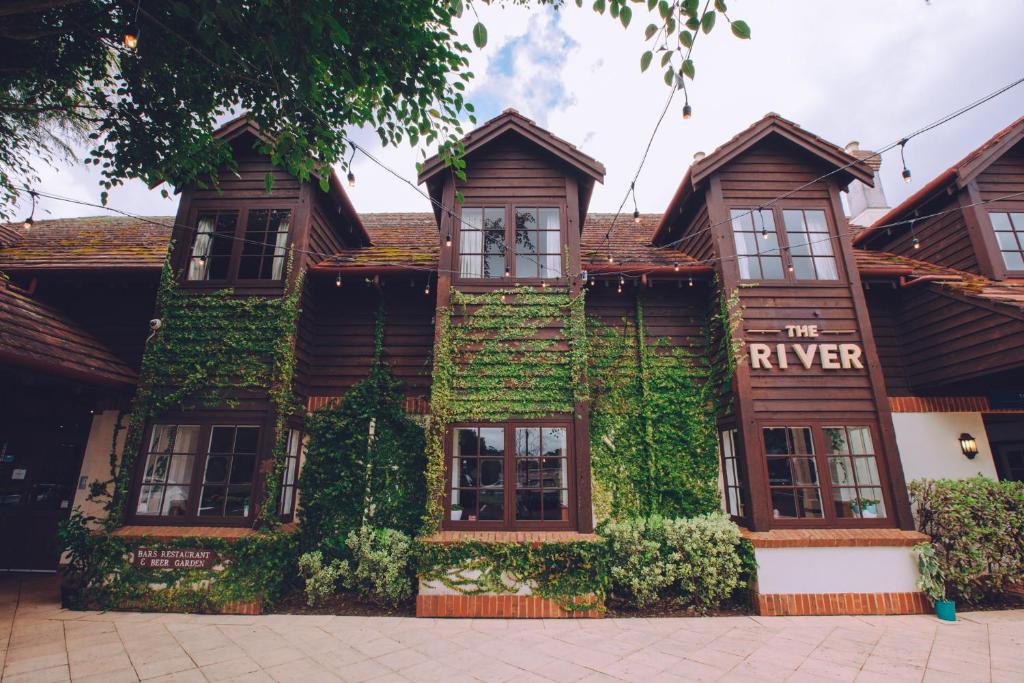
(858,353)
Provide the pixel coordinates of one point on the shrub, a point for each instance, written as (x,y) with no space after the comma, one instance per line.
(381,565)
(977,531)
(698,562)
(321,581)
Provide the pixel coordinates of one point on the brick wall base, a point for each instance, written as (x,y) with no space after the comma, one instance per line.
(834,604)
(497,606)
(251,607)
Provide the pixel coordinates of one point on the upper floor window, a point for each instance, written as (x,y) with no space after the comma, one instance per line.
(199,470)
(1009,228)
(804,249)
(511,475)
(510,242)
(239,245)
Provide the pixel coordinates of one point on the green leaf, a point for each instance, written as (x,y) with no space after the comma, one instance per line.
(664,9)
(720,5)
(645,60)
(480,34)
(670,76)
(707,22)
(666,58)
(686,38)
(457,7)
(690,7)
(613,9)
(688,69)
(651,4)
(693,23)
(740,29)
(599,6)
(268,182)
(650,31)
(625,16)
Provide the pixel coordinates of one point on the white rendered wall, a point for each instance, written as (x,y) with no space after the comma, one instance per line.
(930,447)
(96,461)
(836,570)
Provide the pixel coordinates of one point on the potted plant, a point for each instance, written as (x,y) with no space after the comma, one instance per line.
(456,512)
(932,583)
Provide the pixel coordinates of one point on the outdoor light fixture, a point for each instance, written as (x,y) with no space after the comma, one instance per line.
(968,446)
(337,280)
(351,179)
(906,171)
(448,240)
(636,215)
(687,111)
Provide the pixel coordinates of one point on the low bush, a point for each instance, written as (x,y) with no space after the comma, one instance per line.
(697,562)
(977,532)
(381,566)
(321,580)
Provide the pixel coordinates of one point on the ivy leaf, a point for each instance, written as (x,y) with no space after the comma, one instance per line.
(650,31)
(686,38)
(268,182)
(625,16)
(599,6)
(645,60)
(707,22)
(480,34)
(740,29)
(688,69)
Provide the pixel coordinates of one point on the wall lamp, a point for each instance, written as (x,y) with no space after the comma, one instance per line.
(968,445)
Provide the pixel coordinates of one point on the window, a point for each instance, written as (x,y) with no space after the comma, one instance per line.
(792,472)
(757,244)
(731,473)
(803,251)
(263,251)
(211,248)
(810,245)
(537,495)
(1009,228)
(856,488)
(795,457)
(538,243)
(295,452)
(199,471)
(527,249)
(247,245)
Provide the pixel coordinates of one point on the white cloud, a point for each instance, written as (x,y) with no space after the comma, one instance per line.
(872,71)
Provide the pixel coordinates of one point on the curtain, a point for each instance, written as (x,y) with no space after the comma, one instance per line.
(279,248)
(199,264)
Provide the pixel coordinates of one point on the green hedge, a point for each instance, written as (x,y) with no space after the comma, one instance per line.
(977,531)
(101,575)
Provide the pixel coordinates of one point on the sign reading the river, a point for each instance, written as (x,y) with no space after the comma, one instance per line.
(174,558)
(826,355)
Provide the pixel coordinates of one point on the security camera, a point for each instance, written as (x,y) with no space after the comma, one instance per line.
(155,324)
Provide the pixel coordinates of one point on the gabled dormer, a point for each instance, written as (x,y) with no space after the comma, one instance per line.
(970,217)
(525,198)
(235,232)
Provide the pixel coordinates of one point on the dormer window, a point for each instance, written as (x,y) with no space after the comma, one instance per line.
(239,245)
(801,252)
(1009,229)
(510,242)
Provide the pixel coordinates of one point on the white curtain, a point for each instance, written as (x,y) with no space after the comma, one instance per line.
(279,248)
(200,263)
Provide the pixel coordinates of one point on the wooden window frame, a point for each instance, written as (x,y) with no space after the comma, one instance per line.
(289,515)
(737,461)
(509,523)
(1006,208)
(789,277)
(825,486)
(509,246)
(206,421)
(242,208)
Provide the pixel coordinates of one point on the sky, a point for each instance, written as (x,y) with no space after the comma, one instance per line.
(871,71)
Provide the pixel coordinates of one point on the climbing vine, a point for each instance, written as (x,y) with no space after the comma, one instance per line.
(213,349)
(653,434)
(510,352)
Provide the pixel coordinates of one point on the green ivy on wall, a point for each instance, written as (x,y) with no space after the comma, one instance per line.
(212,349)
(507,353)
(653,431)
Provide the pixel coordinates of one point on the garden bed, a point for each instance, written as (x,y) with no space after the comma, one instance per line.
(342,604)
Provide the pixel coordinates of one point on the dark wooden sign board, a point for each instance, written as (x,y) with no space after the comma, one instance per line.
(174,558)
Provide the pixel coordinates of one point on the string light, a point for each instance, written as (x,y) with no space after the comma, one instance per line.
(351,175)
(675,266)
(691,281)
(916,242)
(610,259)
(913,237)
(131,31)
(622,281)
(687,111)
(448,240)
(620,289)
(426,289)
(636,216)
(906,171)
(28,222)
(337,280)
(508,273)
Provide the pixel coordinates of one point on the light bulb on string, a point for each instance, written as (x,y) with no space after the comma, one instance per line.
(916,242)
(906,171)
(691,281)
(508,273)
(131,37)
(675,266)
(687,111)
(636,216)
(337,280)
(622,280)
(30,221)
(448,240)
(351,175)
(610,259)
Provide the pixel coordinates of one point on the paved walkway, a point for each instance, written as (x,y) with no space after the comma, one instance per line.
(41,642)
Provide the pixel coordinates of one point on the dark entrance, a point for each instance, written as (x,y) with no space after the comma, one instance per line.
(1006,436)
(44,425)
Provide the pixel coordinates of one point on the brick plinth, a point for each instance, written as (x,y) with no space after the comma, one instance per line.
(497,606)
(834,604)
(251,607)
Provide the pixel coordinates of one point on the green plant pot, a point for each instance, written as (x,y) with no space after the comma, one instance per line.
(945,610)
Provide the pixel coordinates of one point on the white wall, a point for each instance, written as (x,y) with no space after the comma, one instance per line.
(929,445)
(836,570)
(96,461)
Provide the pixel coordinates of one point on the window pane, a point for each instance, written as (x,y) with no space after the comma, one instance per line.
(746,243)
(815,221)
(750,269)
(769,244)
(212,503)
(764,219)
(826,267)
(494,242)
(527,266)
(494,219)
(835,441)
(793,220)
(798,243)
(554,441)
(1000,221)
(772,267)
(216,470)
(550,219)
(528,505)
(784,503)
(841,470)
(528,473)
(866,470)
(552,266)
(1014,260)
(553,508)
(492,441)
(175,503)
(222,439)
(464,505)
(491,472)
(263,251)
(742,220)
(527,442)
(802,442)
(465,473)
(494,266)
(492,505)
(242,468)
(1007,241)
(236,503)
(246,439)
(466,442)
(775,441)
(820,246)
(803,268)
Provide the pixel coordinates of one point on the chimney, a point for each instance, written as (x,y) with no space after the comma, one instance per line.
(867,204)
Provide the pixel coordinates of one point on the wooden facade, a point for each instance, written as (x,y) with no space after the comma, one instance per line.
(931,320)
